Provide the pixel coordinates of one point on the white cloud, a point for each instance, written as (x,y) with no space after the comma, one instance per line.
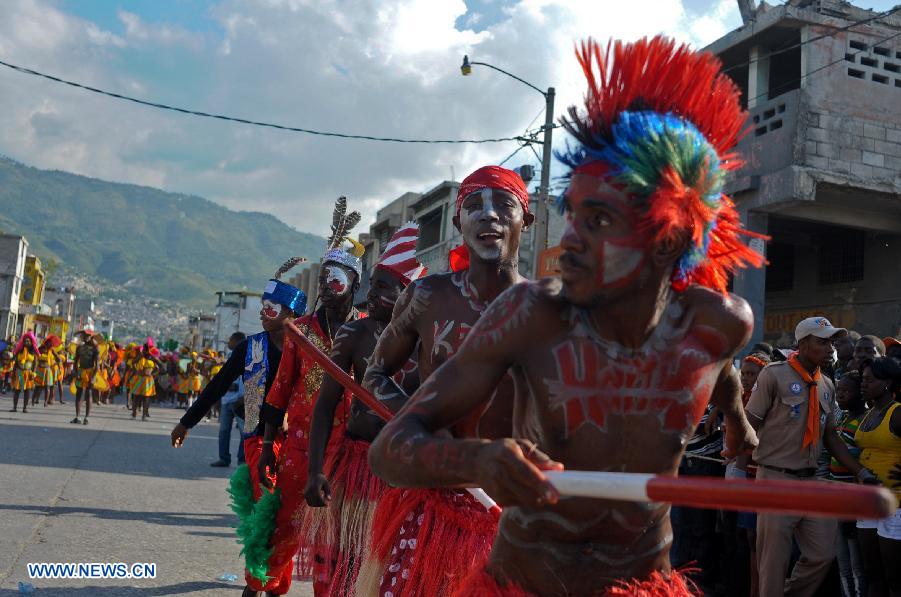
(390,69)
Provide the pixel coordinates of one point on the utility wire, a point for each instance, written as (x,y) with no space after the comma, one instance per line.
(833,33)
(29,71)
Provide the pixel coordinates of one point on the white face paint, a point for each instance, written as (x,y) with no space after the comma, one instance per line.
(487,245)
(270,310)
(336,280)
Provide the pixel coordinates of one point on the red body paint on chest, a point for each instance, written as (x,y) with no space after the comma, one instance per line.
(590,387)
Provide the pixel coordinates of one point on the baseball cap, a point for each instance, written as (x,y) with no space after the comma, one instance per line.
(890,341)
(817,326)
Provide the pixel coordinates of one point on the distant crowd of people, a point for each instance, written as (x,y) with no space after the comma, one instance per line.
(96,370)
(857,380)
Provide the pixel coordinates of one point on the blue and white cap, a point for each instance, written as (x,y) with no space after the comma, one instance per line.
(285,295)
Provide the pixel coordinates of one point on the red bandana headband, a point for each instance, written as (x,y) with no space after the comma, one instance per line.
(486,177)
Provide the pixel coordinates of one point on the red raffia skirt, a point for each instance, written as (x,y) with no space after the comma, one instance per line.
(425,542)
(481,583)
(343,528)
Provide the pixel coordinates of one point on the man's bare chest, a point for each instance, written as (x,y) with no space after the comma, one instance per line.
(585,384)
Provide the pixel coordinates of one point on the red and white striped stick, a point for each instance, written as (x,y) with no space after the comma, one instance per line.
(832,500)
(371,402)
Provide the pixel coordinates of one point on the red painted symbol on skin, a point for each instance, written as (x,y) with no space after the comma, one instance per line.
(674,386)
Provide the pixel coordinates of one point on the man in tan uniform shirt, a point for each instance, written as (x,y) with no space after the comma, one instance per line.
(779,409)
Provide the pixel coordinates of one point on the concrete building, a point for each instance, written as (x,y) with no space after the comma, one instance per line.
(201,331)
(83,313)
(13,254)
(822,174)
(237,311)
(31,297)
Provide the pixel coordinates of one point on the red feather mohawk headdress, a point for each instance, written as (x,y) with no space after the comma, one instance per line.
(661,120)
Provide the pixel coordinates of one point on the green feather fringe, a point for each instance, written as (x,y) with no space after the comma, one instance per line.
(256,522)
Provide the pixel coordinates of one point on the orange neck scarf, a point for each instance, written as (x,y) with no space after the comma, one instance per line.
(812,433)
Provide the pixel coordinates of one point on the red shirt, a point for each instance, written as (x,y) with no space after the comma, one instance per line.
(298,380)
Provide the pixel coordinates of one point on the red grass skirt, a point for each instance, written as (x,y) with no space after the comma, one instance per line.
(481,583)
(425,542)
(343,528)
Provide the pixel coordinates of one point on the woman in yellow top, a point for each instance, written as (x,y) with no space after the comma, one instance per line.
(145,366)
(879,440)
(23,369)
(45,373)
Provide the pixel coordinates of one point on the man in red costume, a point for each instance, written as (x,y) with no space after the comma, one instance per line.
(291,401)
(616,362)
(343,496)
(424,542)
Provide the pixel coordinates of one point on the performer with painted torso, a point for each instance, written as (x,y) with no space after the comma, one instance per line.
(344,494)
(290,402)
(615,362)
(451,532)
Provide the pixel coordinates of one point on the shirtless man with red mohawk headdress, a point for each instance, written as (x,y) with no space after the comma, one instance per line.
(614,363)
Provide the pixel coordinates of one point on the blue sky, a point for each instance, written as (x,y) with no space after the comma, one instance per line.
(386,68)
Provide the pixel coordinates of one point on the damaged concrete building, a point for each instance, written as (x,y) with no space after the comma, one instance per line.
(822,177)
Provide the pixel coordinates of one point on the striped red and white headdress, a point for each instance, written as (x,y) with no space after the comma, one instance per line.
(399,256)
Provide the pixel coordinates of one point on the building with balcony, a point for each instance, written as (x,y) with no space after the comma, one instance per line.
(822,173)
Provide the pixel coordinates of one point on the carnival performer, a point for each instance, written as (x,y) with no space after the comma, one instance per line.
(146,366)
(6,367)
(45,380)
(616,361)
(293,395)
(189,384)
(60,370)
(256,360)
(348,488)
(452,533)
(87,358)
(24,356)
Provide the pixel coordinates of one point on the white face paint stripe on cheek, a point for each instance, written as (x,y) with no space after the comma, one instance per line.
(619,262)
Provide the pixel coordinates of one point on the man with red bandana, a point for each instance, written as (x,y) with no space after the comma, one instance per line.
(424,542)
(615,362)
(290,402)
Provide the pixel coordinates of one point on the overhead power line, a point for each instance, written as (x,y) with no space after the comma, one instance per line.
(224,117)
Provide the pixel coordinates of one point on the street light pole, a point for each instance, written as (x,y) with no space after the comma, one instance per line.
(541,215)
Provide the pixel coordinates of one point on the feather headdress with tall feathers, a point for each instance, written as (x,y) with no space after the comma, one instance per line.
(342,224)
(662,121)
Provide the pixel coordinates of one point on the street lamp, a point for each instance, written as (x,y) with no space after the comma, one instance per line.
(541,217)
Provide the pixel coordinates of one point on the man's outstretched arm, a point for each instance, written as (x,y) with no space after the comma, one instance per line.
(409,453)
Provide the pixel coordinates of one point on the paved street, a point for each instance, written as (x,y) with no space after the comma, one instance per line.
(114,491)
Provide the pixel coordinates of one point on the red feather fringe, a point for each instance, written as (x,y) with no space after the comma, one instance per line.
(658,75)
(450,534)
(482,584)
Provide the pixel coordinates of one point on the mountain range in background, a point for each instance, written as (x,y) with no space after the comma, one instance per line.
(176,247)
